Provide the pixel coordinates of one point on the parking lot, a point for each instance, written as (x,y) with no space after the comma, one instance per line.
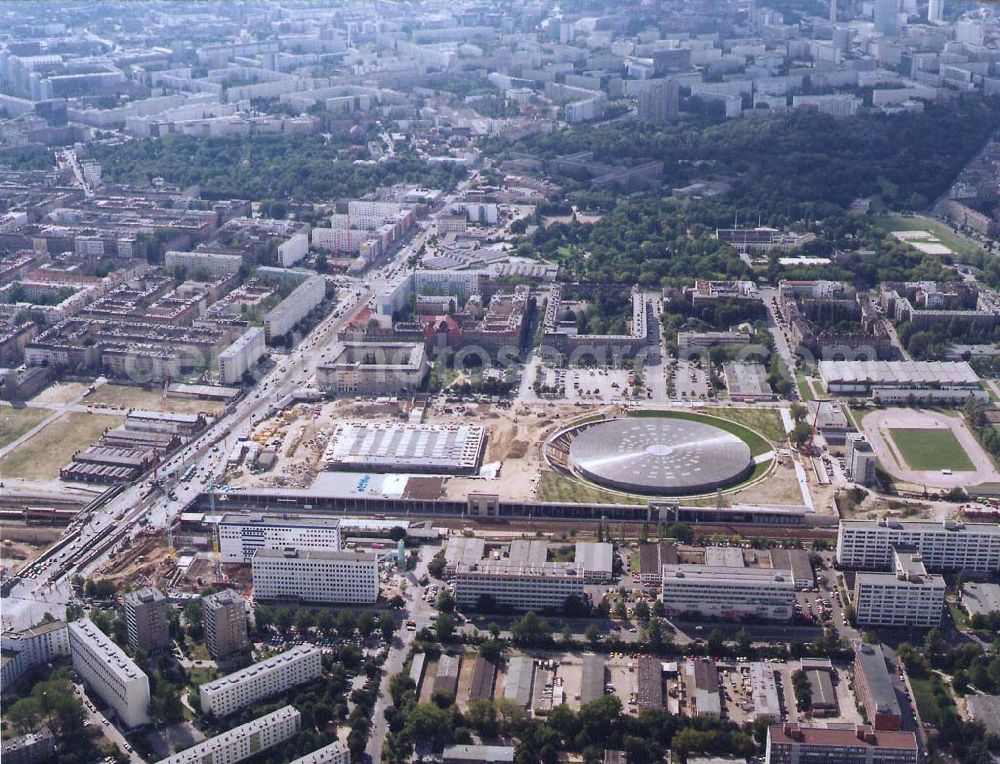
(688,381)
(589,385)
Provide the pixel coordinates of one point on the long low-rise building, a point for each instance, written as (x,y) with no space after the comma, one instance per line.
(243,534)
(244,741)
(792,743)
(764,692)
(520,587)
(726,592)
(910,596)
(944,546)
(109,672)
(315,576)
(896,381)
(265,679)
(391,447)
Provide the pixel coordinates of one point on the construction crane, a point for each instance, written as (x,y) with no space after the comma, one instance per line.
(810,447)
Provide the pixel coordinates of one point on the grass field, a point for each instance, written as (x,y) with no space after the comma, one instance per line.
(758,445)
(958,244)
(765,421)
(805,389)
(933,449)
(128,397)
(41,457)
(15,422)
(933,700)
(556,487)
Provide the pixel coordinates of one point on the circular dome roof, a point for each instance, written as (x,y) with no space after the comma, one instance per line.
(660,455)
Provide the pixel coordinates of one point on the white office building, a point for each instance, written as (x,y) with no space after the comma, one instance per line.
(244,741)
(947,545)
(23,650)
(726,592)
(517,585)
(241,356)
(262,680)
(109,672)
(335,753)
(241,535)
(910,596)
(315,576)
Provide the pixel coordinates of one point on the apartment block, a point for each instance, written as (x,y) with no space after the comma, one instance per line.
(792,743)
(315,576)
(947,545)
(241,356)
(225,621)
(262,680)
(146,619)
(910,596)
(518,586)
(23,650)
(244,741)
(109,672)
(241,535)
(727,592)
(335,753)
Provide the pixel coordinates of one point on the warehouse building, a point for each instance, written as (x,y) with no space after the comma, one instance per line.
(649,682)
(702,683)
(652,558)
(980,598)
(727,592)
(448,670)
(519,681)
(593,679)
(764,692)
(262,680)
(792,743)
(797,561)
(518,586)
(242,534)
(908,597)
(823,697)
(902,381)
(244,741)
(359,368)
(146,619)
(747,382)
(484,675)
(315,576)
(873,687)
(597,560)
(110,673)
(389,447)
(334,753)
(944,546)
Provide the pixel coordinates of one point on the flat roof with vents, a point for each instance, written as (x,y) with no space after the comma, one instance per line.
(391,447)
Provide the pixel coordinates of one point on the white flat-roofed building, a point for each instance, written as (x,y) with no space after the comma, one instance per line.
(726,592)
(315,576)
(896,380)
(23,650)
(214,264)
(265,679)
(335,753)
(521,587)
(947,545)
(596,559)
(244,741)
(392,447)
(910,596)
(283,317)
(764,692)
(241,535)
(241,356)
(109,672)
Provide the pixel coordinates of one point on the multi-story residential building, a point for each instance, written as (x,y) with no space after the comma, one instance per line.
(244,741)
(23,650)
(241,356)
(225,621)
(860,459)
(947,545)
(265,679)
(315,576)
(286,314)
(241,535)
(792,743)
(726,592)
(874,689)
(109,672)
(146,619)
(908,597)
(335,753)
(212,263)
(31,748)
(360,368)
(518,586)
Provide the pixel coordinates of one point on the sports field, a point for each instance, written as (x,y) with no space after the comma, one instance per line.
(931,449)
